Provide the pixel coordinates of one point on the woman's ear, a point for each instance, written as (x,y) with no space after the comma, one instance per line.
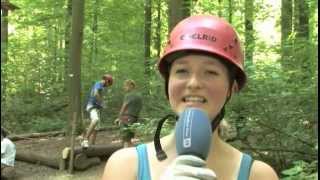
(234,88)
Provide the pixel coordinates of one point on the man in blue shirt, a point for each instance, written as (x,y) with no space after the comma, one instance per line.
(93,107)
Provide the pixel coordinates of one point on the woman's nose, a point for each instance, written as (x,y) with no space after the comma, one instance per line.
(194,82)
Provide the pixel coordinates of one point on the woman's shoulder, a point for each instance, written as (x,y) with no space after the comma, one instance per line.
(261,170)
(121,165)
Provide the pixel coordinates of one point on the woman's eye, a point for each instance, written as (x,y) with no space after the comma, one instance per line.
(181,71)
(212,72)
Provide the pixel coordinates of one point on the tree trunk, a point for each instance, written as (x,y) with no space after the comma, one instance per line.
(301,47)
(147,44)
(35,158)
(158,31)
(230,10)
(94,47)
(83,158)
(35,135)
(4,55)
(67,66)
(75,58)
(219,8)
(286,31)
(249,31)
(98,150)
(178,10)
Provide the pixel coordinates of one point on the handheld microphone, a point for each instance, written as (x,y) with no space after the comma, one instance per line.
(193,133)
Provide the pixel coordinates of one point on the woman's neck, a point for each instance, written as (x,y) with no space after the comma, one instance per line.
(218,146)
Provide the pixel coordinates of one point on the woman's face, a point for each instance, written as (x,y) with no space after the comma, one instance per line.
(198,81)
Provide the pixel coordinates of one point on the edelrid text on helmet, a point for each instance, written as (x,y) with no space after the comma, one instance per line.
(208,34)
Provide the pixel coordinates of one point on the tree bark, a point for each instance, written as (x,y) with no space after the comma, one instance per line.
(249,31)
(67,65)
(35,158)
(178,10)
(4,54)
(147,44)
(83,158)
(75,58)
(286,30)
(158,31)
(94,46)
(35,135)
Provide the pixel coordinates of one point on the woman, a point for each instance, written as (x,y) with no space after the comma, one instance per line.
(202,66)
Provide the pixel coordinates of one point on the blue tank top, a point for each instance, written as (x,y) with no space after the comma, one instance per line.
(144,171)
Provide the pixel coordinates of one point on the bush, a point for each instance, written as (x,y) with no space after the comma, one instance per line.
(301,171)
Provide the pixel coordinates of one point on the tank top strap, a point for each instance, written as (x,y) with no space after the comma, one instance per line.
(143,163)
(245,167)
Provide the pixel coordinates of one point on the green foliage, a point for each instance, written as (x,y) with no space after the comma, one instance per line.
(301,170)
(145,129)
(273,117)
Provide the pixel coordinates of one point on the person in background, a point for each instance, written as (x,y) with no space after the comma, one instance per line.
(93,107)
(8,154)
(202,66)
(129,112)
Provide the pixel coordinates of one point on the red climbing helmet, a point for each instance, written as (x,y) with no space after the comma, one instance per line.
(108,78)
(208,34)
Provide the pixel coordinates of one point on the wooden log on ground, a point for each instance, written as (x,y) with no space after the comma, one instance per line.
(37,159)
(17,137)
(84,158)
(103,151)
(35,135)
(82,162)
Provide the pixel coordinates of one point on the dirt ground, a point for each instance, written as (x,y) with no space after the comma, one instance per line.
(53,146)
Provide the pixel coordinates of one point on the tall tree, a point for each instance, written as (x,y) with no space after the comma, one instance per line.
(178,10)
(5,7)
(220,8)
(286,31)
(230,10)
(67,44)
(75,59)
(147,43)
(158,30)
(249,31)
(301,47)
(94,49)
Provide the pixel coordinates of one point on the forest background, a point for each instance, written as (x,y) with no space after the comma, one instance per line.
(274,118)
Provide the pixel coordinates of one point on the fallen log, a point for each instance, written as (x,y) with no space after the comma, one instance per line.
(17,137)
(82,162)
(103,151)
(35,135)
(34,158)
(84,158)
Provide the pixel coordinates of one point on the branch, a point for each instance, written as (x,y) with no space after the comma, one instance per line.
(275,149)
(283,132)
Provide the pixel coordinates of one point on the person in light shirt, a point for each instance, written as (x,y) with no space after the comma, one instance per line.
(8,154)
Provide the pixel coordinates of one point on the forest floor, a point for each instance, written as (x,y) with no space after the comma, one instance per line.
(51,146)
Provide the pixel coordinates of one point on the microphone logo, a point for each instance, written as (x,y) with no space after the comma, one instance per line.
(187,127)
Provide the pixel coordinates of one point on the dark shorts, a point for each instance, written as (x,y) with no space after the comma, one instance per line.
(126,131)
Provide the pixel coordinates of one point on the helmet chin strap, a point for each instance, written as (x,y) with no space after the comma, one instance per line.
(161,155)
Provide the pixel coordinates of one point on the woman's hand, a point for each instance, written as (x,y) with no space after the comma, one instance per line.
(188,167)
